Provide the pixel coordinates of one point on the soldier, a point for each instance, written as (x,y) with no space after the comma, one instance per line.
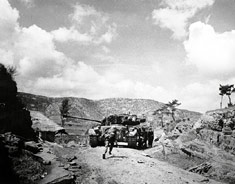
(144,135)
(150,136)
(140,138)
(162,142)
(110,138)
(126,133)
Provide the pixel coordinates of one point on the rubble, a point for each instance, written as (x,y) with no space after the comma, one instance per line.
(33,146)
(70,159)
(30,160)
(72,163)
(201,169)
(25,167)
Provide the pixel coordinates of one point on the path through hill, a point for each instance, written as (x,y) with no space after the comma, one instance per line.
(128,166)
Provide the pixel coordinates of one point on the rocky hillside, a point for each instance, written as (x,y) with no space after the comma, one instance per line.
(211,143)
(97,109)
(125,105)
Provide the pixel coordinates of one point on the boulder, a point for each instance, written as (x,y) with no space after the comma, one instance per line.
(233,134)
(227,131)
(71,144)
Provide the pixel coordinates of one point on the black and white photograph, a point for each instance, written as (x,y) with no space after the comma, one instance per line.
(117,91)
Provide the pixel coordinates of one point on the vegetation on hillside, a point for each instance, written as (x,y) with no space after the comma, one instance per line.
(168,109)
(13,116)
(15,128)
(64,110)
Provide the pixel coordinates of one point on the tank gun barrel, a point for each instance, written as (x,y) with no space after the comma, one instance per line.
(74,117)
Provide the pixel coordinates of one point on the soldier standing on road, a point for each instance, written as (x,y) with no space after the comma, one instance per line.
(162,142)
(110,138)
(150,136)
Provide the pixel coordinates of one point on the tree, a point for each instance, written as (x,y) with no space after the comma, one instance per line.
(171,106)
(64,110)
(222,93)
(161,112)
(226,90)
(15,117)
(12,71)
(229,92)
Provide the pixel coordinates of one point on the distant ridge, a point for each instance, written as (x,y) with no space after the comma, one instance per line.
(97,109)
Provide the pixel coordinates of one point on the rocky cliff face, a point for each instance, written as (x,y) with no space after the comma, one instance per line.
(219,129)
(211,140)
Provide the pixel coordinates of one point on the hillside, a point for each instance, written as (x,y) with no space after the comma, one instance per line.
(125,105)
(97,109)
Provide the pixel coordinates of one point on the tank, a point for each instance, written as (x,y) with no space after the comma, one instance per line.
(132,131)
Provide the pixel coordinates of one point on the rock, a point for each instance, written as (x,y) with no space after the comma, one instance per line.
(146,155)
(46,162)
(72,163)
(75,167)
(201,169)
(67,179)
(227,131)
(205,180)
(71,144)
(233,134)
(70,159)
(49,151)
(43,175)
(45,157)
(66,167)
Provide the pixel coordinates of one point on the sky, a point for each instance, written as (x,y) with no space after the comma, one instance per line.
(96,49)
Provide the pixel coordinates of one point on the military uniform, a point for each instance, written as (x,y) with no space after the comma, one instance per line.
(110,138)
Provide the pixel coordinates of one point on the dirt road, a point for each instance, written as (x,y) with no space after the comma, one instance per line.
(129,166)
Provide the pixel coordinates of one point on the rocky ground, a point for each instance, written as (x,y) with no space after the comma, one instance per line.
(123,166)
(70,163)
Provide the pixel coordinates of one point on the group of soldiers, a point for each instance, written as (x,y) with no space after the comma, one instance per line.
(144,138)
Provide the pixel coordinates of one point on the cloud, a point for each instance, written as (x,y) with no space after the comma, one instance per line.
(31,50)
(8,22)
(211,52)
(105,49)
(40,65)
(64,34)
(109,35)
(45,70)
(88,26)
(200,97)
(28,3)
(172,19)
(104,57)
(83,12)
(175,14)
(37,54)
(82,80)
(7,57)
